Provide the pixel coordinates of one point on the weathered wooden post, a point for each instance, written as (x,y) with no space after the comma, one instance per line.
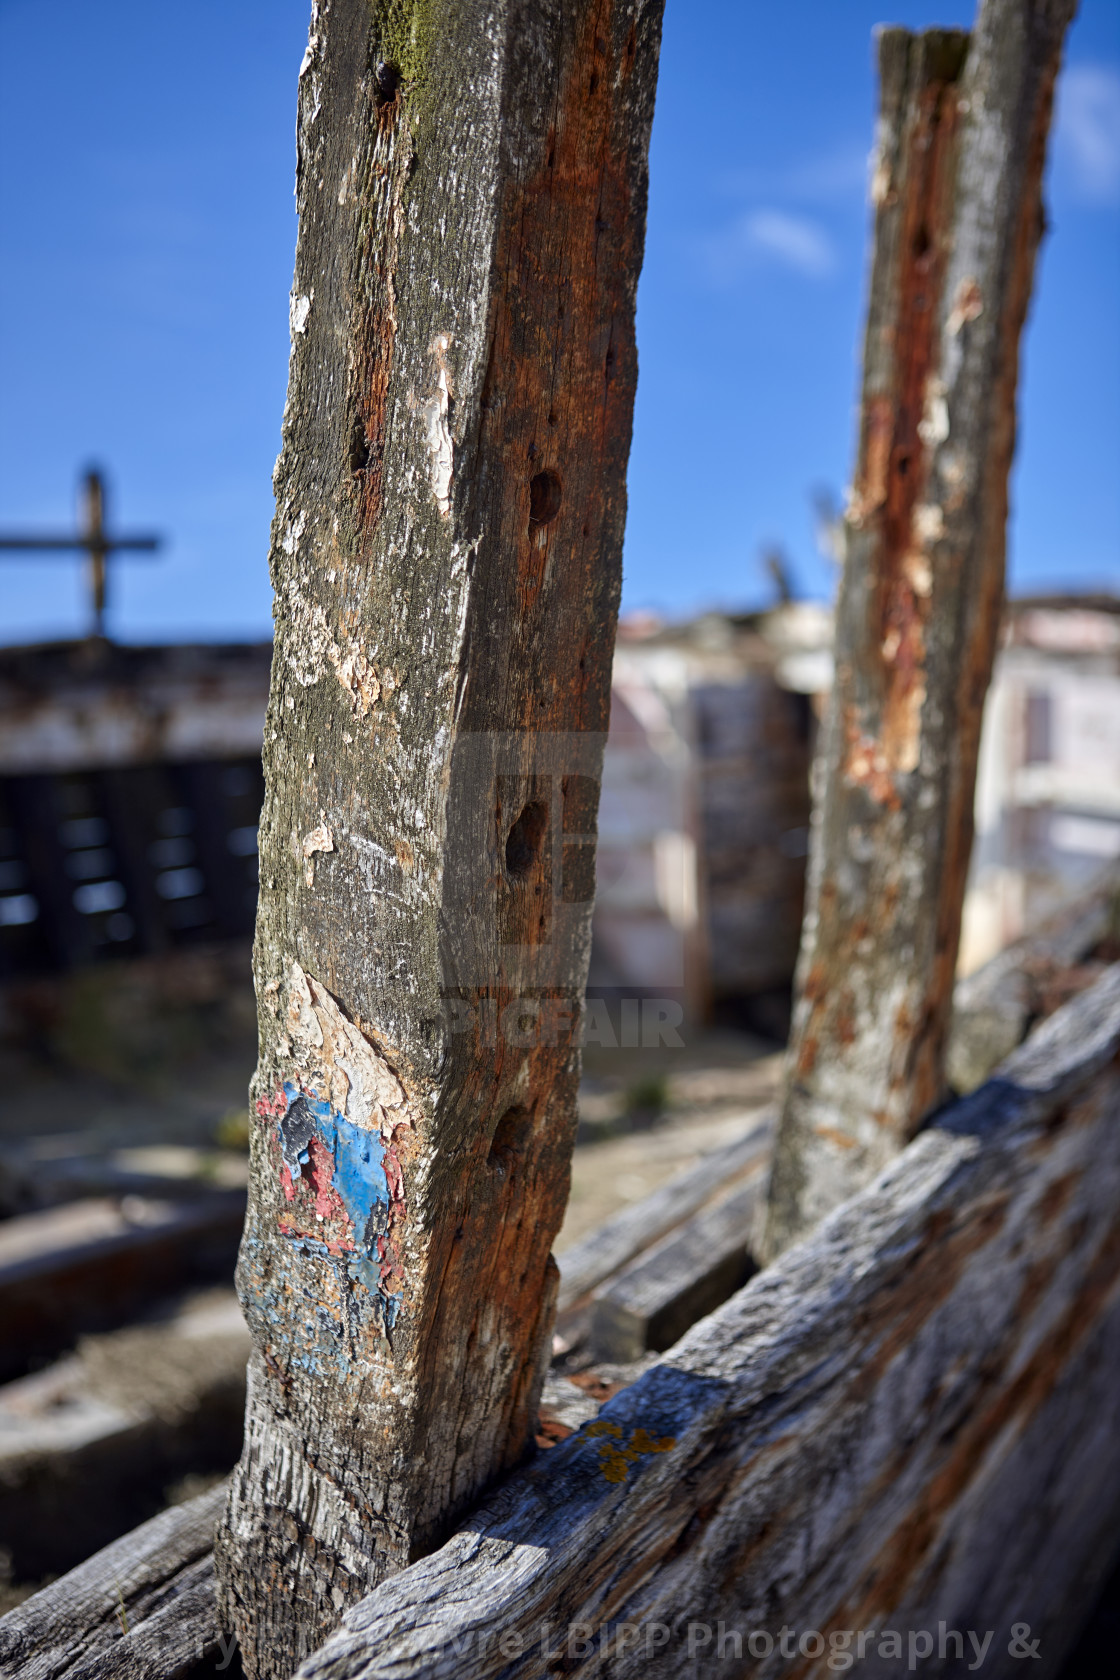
(446,558)
(958,216)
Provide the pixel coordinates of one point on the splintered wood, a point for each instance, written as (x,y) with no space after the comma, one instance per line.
(450,503)
(958,215)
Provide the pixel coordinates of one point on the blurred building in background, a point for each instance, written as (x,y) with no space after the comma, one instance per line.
(1048,785)
(130,786)
(704,814)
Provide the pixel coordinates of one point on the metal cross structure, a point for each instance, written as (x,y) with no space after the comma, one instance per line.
(93,538)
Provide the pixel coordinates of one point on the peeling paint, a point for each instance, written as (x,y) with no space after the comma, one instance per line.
(916,568)
(435,415)
(334,1057)
(866,765)
(345,1189)
(341,1126)
(933,427)
(319,840)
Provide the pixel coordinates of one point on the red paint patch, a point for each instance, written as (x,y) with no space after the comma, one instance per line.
(320,1174)
(319,1212)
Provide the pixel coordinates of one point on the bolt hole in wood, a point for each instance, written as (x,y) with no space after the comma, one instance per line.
(506,1142)
(545,495)
(359,448)
(523,842)
(388,81)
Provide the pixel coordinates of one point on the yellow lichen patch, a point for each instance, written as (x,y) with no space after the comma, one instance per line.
(615,1461)
(613,1464)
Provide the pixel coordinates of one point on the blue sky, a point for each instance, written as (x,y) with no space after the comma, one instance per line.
(146,162)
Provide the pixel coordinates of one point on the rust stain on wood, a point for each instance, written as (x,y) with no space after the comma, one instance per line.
(560,385)
(555,427)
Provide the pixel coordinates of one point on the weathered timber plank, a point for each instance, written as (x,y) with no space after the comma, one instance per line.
(632,1230)
(650,1303)
(89,1445)
(957,191)
(446,557)
(993,1009)
(92,1264)
(906,1419)
(141,1609)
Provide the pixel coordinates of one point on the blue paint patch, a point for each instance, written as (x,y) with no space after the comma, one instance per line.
(359,1180)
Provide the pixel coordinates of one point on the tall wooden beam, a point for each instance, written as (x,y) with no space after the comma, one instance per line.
(958,216)
(446,558)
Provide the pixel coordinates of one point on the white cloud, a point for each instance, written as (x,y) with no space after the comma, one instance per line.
(771,236)
(833,177)
(1088,133)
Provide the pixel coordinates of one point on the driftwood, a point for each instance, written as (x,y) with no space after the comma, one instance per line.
(446,555)
(142,1609)
(903,1424)
(895,1432)
(962,141)
(91,1264)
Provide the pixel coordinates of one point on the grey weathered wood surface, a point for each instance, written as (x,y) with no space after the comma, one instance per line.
(906,1419)
(993,1009)
(589,1263)
(450,502)
(957,192)
(652,1301)
(141,1609)
(94,1263)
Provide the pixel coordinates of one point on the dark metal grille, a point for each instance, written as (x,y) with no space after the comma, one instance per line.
(106,863)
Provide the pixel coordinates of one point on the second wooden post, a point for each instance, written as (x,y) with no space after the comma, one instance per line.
(958,215)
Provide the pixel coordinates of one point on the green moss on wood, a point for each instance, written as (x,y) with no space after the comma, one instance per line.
(404,30)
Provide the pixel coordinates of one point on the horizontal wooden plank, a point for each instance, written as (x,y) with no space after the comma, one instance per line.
(141,1609)
(89,1445)
(905,1420)
(650,1303)
(47,1172)
(589,1263)
(93,1264)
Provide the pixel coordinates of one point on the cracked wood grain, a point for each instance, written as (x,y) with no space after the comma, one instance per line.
(450,501)
(958,215)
